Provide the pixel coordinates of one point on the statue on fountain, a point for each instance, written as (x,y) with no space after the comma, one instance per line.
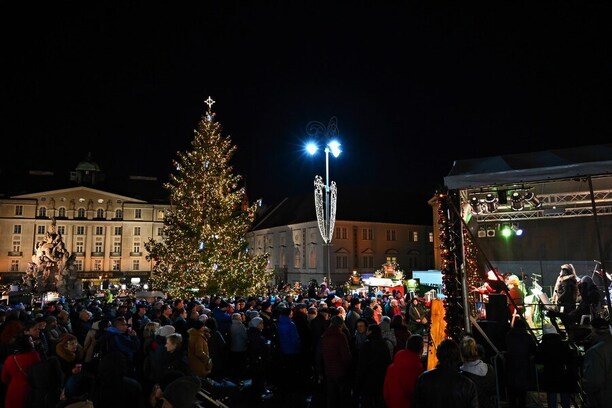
(53,267)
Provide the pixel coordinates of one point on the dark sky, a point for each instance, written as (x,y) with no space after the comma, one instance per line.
(413,86)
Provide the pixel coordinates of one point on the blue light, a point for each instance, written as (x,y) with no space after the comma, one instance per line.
(334,145)
(311,148)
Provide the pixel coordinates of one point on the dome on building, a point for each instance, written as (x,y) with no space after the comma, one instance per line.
(88,165)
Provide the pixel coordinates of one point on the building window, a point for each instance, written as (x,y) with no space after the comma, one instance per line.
(341,262)
(117,231)
(16,245)
(119,214)
(81,213)
(100,213)
(160,215)
(61,230)
(136,247)
(160,231)
(98,247)
(19,210)
(391,260)
(80,230)
(78,264)
(366,234)
(79,247)
(117,247)
(14,265)
(136,265)
(99,230)
(61,212)
(312,259)
(431,237)
(17,229)
(390,235)
(40,229)
(297,260)
(42,212)
(415,236)
(116,265)
(137,214)
(97,265)
(340,233)
(136,231)
(368,261)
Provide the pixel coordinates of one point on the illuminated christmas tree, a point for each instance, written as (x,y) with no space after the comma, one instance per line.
(205,250)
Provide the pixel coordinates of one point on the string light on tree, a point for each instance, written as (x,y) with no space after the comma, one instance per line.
(205,246)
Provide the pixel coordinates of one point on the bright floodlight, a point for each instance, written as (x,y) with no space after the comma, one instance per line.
(335,148)
(312,148)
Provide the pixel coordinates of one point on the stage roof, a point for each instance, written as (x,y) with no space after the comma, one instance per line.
(531,167)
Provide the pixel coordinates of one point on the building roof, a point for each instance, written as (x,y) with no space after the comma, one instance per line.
(529,167)
(359,205)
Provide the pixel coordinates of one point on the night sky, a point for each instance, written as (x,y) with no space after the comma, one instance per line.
(413,86)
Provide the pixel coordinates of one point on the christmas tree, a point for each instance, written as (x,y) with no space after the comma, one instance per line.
(205,250)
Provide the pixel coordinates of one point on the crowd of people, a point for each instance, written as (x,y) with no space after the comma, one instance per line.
(316,349)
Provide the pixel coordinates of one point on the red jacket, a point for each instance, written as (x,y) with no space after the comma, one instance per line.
(401,378)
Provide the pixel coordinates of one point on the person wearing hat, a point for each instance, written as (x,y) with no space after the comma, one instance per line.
(259,351)
(596,373)
(182,392)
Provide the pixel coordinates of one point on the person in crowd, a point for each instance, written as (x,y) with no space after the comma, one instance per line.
(114,386)
(377,312)
(52,332)
(559,367)
(238,347)
(31,328)
(400,329)
(119,337)
(444,386)
(589,304)
(77,391)
(64,325)
(354,313)
(360,335)
(218,350)
(172,357)
(481,373)
(596,373)
(520,369)
(402,373)
(181,393)
(222,312)
(15,371)
(290,349)
(140,319)
(165,314)
(179,321)
(417,318)
(70,354)
(388,335)
(259,356)
(317,327)
(82,324)
(336,356)
(393,308)
(373,360)
(200,359)
(565,296)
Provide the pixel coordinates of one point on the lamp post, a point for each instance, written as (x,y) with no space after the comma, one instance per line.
(325,210)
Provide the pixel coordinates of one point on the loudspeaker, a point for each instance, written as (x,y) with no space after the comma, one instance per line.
(497,308)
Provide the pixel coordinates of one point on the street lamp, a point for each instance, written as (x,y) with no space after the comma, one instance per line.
(326,211)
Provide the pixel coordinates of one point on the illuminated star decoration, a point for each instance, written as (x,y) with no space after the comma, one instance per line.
(210,102)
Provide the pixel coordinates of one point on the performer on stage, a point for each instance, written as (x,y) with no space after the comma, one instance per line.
(565,296)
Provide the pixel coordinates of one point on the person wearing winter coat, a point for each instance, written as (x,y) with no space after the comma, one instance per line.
(259,350)
(481,373)
(198,355)
(373,360)
(402,374)
(14,371)
(336,363)
(444,386)
(238,346)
